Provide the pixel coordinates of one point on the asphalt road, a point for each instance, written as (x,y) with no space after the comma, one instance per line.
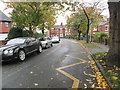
(62,66)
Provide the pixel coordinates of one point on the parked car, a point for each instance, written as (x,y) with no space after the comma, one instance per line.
(55,39)
(46,42)
(18,48)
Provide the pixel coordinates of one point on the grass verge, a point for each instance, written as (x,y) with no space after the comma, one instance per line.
(89,45)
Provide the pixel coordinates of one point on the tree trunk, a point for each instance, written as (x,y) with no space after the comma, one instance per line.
(43,29)
(113,57)
(87,32)
(30,30)
(88,25)
(79,33)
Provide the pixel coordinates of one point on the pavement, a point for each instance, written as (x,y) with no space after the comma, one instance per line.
(65,65)
(103,48)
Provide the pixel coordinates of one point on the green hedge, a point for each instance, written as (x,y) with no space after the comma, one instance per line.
(17,32)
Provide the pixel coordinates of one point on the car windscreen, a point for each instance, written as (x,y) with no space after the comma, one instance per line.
(42,39)
(55,37)
(16,41)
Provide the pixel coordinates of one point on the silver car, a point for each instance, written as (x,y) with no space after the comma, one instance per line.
(55,39)
(46,42)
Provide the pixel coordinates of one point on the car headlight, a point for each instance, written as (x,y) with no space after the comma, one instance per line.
(8,52)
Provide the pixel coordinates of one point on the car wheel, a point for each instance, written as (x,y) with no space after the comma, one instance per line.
(51,44)
(21,55)
(46,46)
(40,49)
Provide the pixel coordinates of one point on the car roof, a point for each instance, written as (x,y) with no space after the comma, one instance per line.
(23,37)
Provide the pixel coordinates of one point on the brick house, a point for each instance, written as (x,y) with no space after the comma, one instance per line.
(61,31)
(103,27)
(5,25)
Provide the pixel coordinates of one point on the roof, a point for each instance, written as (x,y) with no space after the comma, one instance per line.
(59,26)
(3,17)
(102,23)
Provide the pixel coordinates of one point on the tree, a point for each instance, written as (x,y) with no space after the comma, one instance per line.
(34,14)
(100,36)
(77,21)
(25,33)
(114,51)
(92,11)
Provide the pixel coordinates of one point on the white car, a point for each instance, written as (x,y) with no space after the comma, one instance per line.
(55,39)
(46,42)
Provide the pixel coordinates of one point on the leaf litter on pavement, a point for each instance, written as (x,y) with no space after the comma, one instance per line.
(101,82)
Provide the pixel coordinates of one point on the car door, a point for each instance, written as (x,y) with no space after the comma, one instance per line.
(29,45)
(34,44)
(49,41)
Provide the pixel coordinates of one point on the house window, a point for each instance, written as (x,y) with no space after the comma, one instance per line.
(106,28)
(6,24)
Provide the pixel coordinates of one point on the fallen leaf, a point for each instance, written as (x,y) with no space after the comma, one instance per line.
(115,78)
(20,84)
(85,73)
(51,78)
(64,81)
(100,60)
(109,71)
(31,72)
(88,80)
(36,84)
(93,86)
(85,85)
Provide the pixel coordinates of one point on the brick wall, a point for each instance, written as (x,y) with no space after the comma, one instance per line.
(3,28)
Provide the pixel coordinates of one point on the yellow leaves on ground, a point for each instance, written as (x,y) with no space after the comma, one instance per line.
(99,77)
(93,86)
(115,78)
(36,84)
(85,85)
(109,71)
(51,78)
(20,84)
(89,74)
(101,60)
(31,72)
(89,80)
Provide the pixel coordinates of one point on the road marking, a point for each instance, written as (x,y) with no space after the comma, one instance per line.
(76,58)
(75,80)
(71,65)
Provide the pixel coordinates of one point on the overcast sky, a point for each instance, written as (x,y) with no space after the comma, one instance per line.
(61,18)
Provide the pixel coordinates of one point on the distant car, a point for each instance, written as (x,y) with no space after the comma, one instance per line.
(55,39)
(18,48)
(46,42)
